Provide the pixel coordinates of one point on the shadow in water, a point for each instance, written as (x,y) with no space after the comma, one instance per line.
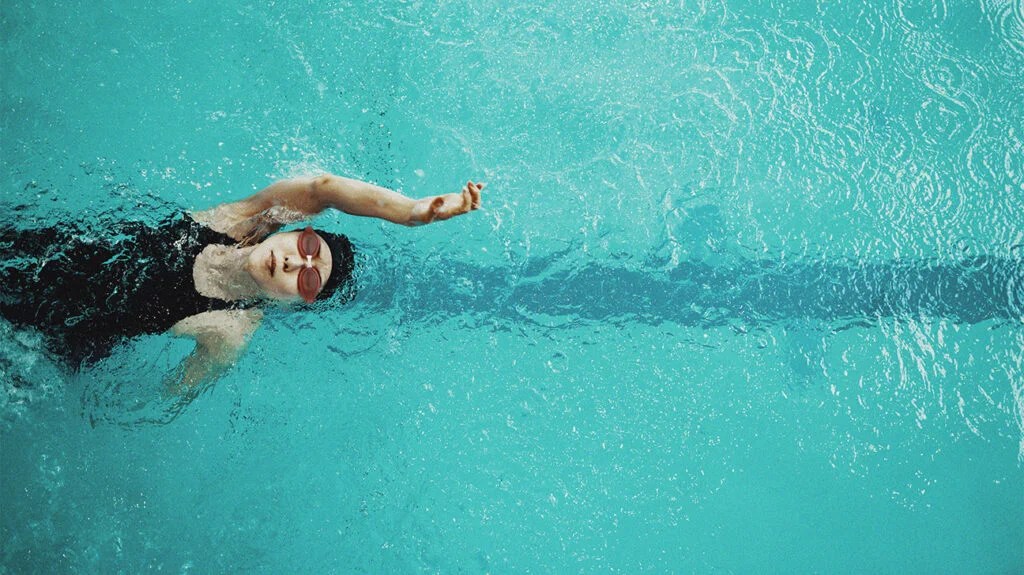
(758,292)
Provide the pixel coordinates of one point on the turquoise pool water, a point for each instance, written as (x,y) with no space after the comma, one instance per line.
(745,297)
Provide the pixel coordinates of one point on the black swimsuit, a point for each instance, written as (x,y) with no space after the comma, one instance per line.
(87,293)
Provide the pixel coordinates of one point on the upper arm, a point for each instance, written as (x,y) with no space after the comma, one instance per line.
(262,213)
(298,194)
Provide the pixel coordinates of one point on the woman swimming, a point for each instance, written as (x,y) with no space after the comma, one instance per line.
(201,275)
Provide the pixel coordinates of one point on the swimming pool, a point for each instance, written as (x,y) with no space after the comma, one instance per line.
(721,313)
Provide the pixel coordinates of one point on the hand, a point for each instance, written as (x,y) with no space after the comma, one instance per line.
(448,205)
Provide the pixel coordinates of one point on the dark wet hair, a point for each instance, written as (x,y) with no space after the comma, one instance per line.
(342,256)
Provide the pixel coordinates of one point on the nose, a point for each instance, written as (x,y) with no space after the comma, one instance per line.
(293,262)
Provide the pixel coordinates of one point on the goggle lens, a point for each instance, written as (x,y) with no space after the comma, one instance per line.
(309,276)
(309,243)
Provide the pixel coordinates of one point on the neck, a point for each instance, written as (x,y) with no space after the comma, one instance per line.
(220,272)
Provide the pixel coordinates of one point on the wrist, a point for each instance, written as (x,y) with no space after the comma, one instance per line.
(420,212)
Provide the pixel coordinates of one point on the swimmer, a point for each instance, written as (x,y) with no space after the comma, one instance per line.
(203,275)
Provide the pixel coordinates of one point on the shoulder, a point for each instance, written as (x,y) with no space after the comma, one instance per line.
(223,218)
(225,327)
(241,221)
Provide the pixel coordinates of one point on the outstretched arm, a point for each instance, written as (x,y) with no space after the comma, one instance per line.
(364,199)
(310,196)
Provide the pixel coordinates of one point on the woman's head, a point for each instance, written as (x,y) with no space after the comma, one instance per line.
(285,265)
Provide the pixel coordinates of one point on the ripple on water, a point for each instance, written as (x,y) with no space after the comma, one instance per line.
(939,199)
(947,113)
(1013,366)
(27,376)
(1013,161)
(942,121)
(1007,20)
(993,168)
(921,14)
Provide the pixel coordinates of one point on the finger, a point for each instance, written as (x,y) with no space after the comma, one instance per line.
(474,194)
(467,199)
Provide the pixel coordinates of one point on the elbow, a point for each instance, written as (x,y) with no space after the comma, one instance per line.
(322,183)
(321,189)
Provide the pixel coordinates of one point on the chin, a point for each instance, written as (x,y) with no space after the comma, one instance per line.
(251,263)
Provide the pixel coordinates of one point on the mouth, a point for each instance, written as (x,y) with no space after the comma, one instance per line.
(272,263)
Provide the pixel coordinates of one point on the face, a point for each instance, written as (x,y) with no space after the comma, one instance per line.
(275,264)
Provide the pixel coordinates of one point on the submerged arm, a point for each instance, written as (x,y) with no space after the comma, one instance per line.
(221,337)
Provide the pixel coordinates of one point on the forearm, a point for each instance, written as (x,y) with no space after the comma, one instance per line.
(221,337)
(196,369)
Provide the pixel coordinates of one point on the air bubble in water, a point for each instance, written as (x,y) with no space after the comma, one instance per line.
(558,362)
